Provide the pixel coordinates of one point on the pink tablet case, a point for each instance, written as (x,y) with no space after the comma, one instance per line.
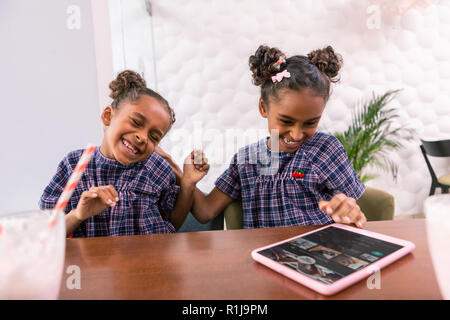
(339,285)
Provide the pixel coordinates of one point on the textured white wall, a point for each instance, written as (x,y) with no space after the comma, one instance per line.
(201,51)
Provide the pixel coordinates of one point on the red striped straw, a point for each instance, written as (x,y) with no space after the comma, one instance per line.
(72,183)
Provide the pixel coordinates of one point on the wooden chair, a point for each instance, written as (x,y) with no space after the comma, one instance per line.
(438,148)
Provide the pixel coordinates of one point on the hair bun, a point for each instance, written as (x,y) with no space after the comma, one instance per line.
(261,63)
(327,61)
(125,81)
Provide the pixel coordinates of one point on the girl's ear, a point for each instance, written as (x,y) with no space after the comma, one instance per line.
(262,108)
(107,115)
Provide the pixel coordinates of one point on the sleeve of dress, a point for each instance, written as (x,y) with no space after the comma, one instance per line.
(168,195)
(54,189)
(229,182)
(337,172)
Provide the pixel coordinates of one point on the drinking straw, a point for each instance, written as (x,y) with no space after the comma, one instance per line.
(72,183)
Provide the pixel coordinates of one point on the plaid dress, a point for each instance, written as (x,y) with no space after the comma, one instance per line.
(271,196)
(146,189)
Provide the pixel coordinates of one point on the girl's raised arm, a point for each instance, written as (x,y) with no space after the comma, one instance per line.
(207,207)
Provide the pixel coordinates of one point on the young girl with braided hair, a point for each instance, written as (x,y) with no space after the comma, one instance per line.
(127,188)
(310,180)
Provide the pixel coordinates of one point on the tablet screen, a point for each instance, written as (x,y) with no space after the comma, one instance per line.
(330,254)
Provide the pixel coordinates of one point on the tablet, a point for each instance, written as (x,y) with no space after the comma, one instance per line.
(332,258)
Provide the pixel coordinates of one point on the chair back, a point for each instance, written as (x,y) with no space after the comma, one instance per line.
(438,148)
(429,166)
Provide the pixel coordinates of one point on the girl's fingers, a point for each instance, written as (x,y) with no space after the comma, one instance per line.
(114,194)
(343,210)
(106,196)
(204,166)
(353,215)
(89,194)
(198,157)
(347,210)
(333,205)
(361,221)
(322,205)
(189,159)
(336,218)
(109,199)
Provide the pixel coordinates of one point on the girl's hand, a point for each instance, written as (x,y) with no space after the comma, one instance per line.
(343,210)
(176,169)
(96,200)
(195,167)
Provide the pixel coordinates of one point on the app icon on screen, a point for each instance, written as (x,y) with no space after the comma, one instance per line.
(377,253)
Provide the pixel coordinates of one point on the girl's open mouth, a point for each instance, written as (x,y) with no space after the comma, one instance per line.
(291,144)
(129,148)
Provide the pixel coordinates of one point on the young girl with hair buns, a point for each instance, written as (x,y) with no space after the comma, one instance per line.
(313,181)
(127,189)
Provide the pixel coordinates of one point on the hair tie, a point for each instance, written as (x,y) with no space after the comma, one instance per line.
(280,75)
(277,65)
(172,114)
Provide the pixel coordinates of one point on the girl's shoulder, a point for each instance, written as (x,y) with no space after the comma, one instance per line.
(155,161)
(322,142)
(322,148)
(158,170)
(251,152)
(72,158)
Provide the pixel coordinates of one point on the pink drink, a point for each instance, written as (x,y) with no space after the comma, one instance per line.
(31,255)
(437,211)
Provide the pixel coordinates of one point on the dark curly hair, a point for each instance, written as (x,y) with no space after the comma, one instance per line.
(315,71)
(129,85)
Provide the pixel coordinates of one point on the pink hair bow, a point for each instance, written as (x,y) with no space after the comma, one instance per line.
(280,75)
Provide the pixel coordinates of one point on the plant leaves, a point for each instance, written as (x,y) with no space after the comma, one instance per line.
(372,135)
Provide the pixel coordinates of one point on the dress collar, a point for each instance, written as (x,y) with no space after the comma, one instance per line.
(100,159)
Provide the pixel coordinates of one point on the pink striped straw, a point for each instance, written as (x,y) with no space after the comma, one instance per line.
(73,181)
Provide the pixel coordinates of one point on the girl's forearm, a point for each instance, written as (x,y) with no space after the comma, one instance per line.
(200,207)
(72,222)
(207,207)
(183,204)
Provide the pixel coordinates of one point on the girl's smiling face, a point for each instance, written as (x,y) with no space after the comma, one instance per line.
(134,129)
(295,115)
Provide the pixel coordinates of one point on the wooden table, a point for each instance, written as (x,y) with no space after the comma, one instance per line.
(217,265)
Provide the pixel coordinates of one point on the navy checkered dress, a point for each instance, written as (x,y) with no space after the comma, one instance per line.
(146,189)
(271,196)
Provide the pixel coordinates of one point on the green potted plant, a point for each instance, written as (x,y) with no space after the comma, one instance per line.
(372,135)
